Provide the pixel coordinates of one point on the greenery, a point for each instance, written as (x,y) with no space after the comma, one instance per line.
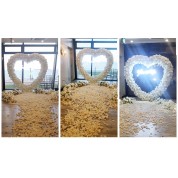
(9,86)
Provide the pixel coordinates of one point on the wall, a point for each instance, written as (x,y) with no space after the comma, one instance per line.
(67,62)
(121,73)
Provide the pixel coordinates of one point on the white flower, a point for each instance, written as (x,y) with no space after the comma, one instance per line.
(149,61)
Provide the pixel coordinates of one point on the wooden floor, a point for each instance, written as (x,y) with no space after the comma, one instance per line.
(109,125)
(9,112)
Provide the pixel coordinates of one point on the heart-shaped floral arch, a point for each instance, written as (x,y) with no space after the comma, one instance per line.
(148,62)
(94,53)
(27,58)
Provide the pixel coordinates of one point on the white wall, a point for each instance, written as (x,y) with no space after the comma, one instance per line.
(67,62)
(121,73)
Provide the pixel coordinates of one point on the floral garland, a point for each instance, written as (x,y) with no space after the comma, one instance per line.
(94,53)
(27,58)
(148,62)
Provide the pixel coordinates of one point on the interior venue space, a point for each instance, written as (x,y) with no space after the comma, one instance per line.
(89,79)
(148,87)
(30,83)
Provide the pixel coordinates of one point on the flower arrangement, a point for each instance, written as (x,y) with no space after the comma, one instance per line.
(27,58)
(127,100)
(148,62)
(168,104)
(8,97)
(43,91)
(94,53)
(17,92)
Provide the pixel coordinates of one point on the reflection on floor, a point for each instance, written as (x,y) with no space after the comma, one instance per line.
(147,119)
(9,112)
(110,125)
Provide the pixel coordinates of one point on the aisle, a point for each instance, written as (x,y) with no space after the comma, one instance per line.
(147,119)
(34,115)
(89,111)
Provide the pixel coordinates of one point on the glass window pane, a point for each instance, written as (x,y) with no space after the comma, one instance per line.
(12,49)
(105,45)
(31,71)
(12,43)
(48,80)
(98,65)
(39,49)
(113,74)
(40,43)
(83,45)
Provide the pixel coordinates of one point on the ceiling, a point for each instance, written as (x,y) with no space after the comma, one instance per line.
(29,40)
(148,40)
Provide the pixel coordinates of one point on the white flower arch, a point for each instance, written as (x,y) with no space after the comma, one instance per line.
(148,62)
(27,58)
(94,53)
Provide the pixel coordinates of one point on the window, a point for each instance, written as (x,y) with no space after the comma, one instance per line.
(31,71)
(83,45)
(39,49)
(28,73)
(105,45)
(94,66)
(12,49)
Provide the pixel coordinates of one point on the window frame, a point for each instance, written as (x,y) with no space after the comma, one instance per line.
(23,51)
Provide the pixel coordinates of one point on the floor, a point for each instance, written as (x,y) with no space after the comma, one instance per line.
(12,112)
(109,126)
(9,112)
(147,119)
(89,111)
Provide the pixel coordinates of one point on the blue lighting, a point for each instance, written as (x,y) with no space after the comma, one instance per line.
(147,78)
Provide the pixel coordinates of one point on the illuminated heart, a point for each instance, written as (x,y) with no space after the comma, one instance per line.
(94,53)
(27,58)
(147,78)
(148,62)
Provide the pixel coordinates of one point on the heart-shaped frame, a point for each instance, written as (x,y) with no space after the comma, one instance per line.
(148,62)
(94,53)
(27,58)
